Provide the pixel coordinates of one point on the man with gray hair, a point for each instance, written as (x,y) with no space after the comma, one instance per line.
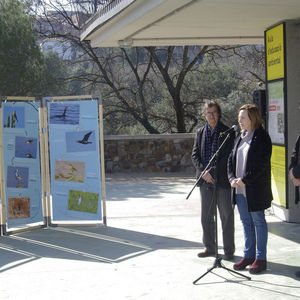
(214,182)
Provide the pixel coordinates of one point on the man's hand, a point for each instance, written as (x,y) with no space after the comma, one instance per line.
(296,181)
(292,177)
(207,177)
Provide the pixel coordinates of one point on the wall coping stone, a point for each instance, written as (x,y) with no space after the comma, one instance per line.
(149,136)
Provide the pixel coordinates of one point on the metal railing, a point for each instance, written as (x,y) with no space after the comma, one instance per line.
(108,6)
(111,4)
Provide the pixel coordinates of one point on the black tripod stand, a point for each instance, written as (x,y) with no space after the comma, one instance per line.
(218,259)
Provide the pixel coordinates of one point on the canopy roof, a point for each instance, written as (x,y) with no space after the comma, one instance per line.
(186,22)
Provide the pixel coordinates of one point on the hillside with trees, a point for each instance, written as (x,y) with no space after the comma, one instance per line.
(144,89)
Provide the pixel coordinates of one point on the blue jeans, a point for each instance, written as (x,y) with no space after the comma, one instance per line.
(255,230)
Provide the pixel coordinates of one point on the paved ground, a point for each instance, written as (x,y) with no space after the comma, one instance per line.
(147,251)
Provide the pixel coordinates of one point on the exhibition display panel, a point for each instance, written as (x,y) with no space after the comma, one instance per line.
(52,162)
(74,155)
(21,192)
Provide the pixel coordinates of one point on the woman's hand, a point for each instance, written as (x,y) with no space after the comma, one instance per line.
(240,183)
(237,182)
(233,183)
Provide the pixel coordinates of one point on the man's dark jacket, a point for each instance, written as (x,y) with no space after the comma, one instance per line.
(221,164)
(257,176)
(295,165)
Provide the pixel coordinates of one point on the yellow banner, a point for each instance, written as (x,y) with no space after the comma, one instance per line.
(275,52)
(278,175)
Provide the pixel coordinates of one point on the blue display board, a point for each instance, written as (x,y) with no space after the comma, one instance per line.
(73,130)
(21,162)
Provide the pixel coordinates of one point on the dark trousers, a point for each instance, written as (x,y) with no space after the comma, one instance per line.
(223,197)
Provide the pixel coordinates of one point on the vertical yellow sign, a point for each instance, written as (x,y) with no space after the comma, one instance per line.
(275,52)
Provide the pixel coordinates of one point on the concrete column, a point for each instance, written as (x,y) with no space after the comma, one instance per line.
(292,99)
(292,114)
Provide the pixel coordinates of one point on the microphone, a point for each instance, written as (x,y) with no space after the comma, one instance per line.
(231,129)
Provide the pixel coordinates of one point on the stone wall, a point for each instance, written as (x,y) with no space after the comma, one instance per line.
(149,153)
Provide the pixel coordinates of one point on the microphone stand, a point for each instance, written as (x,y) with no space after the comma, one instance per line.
(218,259)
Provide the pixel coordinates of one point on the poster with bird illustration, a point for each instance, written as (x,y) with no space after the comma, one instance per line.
(25,147)
(63,113)
(17,177)
(13,117)
(81,141)
(69,171)
(22,162)
(18,208)
(83,201)
(74,157)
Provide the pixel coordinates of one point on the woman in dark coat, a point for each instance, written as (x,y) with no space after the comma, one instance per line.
(249,174)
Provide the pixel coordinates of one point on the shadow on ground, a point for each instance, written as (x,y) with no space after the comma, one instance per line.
(285,230)
(283,291)
(95,244)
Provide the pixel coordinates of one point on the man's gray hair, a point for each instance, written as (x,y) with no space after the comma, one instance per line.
(212,103)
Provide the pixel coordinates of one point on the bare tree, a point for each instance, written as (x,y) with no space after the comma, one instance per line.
(147,86)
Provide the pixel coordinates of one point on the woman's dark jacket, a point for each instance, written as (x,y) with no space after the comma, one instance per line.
(257,176)
(295,165)
(221,164)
